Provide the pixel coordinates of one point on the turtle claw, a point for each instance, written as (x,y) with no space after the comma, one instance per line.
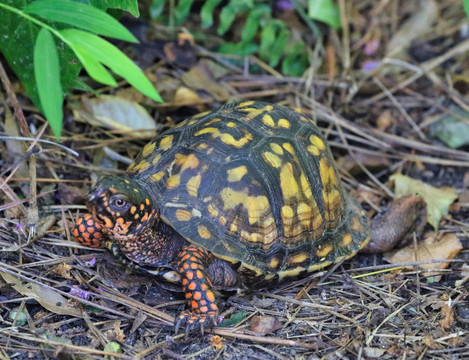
(193,320)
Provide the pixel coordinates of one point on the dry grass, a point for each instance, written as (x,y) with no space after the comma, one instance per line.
(363,308)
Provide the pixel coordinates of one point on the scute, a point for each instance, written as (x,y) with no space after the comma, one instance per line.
(254,183)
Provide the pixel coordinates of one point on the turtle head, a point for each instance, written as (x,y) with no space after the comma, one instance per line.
(122,206)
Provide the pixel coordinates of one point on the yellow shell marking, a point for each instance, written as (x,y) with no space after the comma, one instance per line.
(209,130)
(142,165)
(304,214)
(166,142)
(231,124)
(346,240)
(273,263)
(323,250)
(287,215)
(308,193)
(245,103)
(183,215)
(223,220)
(212,210)
(187,161)
(251,113)
(148,149)
(204,232)
(289,148)
(156,159)
(284,123)
(272,159)
(237,173)
(158,176)
(232,198)
(268,108)
(202,146)
(257,207)
(299,258)
(201,114)
(276,148)
(267,120)
(173,181)
(288,182)
(316,141)
(193,184)
(324,171)
(356,225)
(313,150)
(230,140)
(214,120)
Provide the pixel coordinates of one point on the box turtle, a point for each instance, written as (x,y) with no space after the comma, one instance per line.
(245,195)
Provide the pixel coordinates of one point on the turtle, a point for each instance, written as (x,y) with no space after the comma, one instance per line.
(244,196)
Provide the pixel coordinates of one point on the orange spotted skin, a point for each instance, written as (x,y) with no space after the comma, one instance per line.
(244,195)
(89,232)
(196,284)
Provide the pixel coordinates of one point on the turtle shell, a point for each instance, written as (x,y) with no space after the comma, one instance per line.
(256,184)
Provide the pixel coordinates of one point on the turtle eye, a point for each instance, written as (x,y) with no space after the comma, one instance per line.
(118,203)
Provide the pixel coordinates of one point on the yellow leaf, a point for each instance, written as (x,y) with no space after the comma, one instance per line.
(438,199)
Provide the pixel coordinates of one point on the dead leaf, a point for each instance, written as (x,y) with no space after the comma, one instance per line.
(430,342)
(63,270)
(48,298)
(185,96)
(200,77)
(370,161)
(432,248)
(116,113)
(372,352)
(419,24)
(69,194)
(264,324)
(437,199)
(217,342)
(116,333)
(385,120)
(447,317)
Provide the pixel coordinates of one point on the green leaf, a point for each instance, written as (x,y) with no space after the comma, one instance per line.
(18,36)
(229,12)
(182,11)
(82,16)
(17,39)
(438,199)
(47,74)
(104,52)
(234,319)
(94,67)
(253,21)
(453,130)
(274,37)
(240,49)
(326,11)
(156,8)
(466,7)
(206,13)
(296,62)
(131,6)
(112,347)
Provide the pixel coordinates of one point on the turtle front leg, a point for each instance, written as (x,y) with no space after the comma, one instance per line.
(88,232)
(192,263)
